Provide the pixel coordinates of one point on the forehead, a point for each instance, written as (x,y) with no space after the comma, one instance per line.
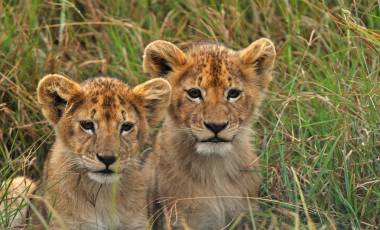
(213,66)
(108,98)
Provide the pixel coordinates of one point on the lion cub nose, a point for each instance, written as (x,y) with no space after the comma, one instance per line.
(216,127)
(106,159)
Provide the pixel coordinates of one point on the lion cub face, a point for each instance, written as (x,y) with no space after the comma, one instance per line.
(101,123)
(215,89)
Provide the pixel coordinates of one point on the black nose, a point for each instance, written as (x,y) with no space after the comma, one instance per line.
(216,128)
(106,159)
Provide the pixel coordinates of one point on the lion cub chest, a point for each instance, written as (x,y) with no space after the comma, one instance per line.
(210,206)
(105,218)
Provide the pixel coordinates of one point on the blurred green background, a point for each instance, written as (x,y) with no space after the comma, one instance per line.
(318,135)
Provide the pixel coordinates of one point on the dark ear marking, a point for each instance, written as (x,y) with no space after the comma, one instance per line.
(257,61)
(59,104)
(54,93)
(162,64)
(259,65)
(162,57)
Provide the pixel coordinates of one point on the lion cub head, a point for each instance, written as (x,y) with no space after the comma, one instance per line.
(101,123)
(215,89)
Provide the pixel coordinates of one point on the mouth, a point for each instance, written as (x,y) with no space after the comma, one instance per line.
(106,171)
(215,140)
(104,176)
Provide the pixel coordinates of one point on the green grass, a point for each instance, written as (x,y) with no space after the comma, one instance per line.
(319,132)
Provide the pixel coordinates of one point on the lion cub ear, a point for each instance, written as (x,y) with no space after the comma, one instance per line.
(258,60)
(162,57)
(156,94)
(53,93)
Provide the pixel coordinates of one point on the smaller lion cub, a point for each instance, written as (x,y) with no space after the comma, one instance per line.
(93,177)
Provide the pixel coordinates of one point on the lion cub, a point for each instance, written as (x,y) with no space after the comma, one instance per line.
(207,172)
(92,177)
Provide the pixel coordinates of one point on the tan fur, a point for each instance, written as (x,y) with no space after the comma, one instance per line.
(206,185)
(74,193)
(15,197)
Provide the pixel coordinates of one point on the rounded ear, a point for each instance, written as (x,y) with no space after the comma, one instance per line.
(162,57)
(258,60)
(53,93)
(156,94)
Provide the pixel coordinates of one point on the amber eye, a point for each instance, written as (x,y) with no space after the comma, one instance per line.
(233,93)
(194,93)
(126,127)
(88,126)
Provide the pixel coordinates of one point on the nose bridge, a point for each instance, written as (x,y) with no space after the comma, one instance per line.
(215,112)
(108,141)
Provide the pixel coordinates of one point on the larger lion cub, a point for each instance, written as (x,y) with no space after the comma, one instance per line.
(93,178)
(207,172)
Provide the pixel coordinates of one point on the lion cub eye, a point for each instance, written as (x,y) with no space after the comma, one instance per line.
(194,93)
(126,127)
(88,126)
(233,94)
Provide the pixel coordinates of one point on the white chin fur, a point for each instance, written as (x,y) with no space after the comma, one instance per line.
(220,149)
(103,178)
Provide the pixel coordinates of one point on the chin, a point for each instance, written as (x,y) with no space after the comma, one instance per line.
(104,178)
(209,148)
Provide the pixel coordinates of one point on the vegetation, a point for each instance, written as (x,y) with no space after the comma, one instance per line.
(318,135)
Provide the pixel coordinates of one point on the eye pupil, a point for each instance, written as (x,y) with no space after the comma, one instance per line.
(194,93)
(127,127)
(233,93)
(87,125)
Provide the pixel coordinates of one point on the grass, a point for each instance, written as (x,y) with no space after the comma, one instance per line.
(319,132)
